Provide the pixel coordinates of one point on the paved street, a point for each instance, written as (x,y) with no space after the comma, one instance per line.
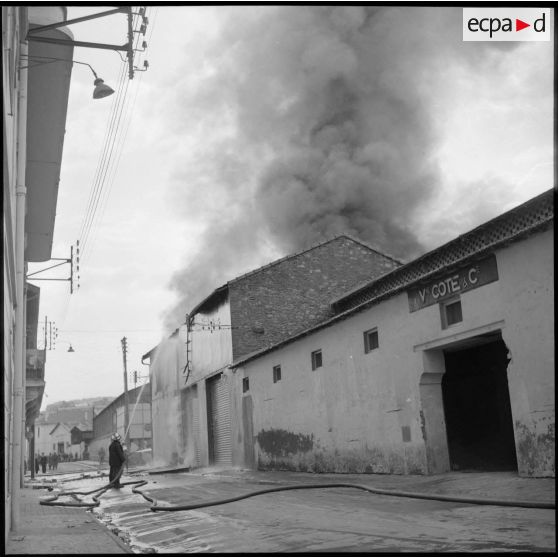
(330,520)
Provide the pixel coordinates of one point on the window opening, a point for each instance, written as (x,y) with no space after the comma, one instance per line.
(451,313)
(316,359)
(245,385)
(276,373)
(371,341)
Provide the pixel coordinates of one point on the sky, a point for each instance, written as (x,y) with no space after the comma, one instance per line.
(258,131)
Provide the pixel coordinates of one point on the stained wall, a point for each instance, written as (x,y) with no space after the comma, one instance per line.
(381,411)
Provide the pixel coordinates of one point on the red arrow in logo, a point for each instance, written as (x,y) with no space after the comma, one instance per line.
(519,25)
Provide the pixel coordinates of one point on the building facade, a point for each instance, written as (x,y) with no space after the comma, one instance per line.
(190,372)
(52,430)
(35,100)
(446,363)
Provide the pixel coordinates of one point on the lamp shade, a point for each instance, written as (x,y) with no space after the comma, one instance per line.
(101,89)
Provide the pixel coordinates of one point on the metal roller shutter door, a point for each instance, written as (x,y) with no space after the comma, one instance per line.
(196,425)
(221,420)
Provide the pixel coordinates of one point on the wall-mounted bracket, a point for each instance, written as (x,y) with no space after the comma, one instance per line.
(34,34)
(74,277)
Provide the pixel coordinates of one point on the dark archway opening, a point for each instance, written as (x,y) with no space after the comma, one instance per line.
(477,407)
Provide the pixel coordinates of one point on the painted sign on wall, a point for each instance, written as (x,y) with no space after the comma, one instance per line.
(461,280)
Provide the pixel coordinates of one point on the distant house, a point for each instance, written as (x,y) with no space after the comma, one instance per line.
(61,439)
(48,438)
(43,441)
(81,436)
(81,433)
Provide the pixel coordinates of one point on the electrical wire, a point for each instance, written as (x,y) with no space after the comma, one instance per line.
(113,165)
(106,156)
(113,143)
(104,163)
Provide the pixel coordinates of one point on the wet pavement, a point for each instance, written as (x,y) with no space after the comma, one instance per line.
(46,530)
(337,520)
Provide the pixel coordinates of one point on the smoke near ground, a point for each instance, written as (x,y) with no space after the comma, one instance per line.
(327,119)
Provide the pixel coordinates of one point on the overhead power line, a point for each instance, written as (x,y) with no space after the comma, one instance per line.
(113,143)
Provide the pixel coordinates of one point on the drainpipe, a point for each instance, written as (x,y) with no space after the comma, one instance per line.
(19,341)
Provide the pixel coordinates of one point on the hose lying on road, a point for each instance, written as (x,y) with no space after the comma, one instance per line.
(397,493)
(53,500)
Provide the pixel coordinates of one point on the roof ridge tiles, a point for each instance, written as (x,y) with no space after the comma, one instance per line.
(196,308)
(545,199)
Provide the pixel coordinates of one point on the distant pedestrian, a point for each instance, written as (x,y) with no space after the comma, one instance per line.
(37,464)
(55,461)
(101,456)
(50,461)
(116,459)
(43,463)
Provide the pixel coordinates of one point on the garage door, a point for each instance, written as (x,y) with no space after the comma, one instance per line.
(219,420)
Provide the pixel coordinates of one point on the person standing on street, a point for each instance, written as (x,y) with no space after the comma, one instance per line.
(43,463)
(116,458)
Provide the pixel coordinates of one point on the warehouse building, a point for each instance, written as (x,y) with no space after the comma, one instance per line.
(190,372)
(444,363)
(112,419)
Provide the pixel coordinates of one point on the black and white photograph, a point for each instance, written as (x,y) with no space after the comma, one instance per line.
(279,279)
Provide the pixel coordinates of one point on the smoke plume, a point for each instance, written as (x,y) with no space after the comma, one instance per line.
(326,123)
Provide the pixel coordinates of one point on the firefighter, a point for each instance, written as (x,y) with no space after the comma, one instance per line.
(116,458)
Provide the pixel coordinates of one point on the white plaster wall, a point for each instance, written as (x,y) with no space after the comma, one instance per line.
(210,351)
(62,435)
(527,271)
(352,410)
(43,440)
(166,376)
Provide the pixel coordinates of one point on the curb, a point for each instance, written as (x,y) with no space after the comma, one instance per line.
(114,536)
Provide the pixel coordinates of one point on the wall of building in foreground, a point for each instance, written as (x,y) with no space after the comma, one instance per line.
(165,376)
(180,412)
(383,411)
(527,304)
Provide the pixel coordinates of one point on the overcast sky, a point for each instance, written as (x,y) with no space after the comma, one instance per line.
(258,131)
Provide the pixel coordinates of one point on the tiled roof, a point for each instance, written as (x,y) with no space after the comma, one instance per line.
(505,228)
(223,288)
(309,249)
(534,215)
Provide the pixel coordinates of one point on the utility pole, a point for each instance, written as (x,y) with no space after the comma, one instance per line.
(126,409)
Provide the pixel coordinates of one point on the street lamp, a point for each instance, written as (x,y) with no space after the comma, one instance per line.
(70,348)
(101,88)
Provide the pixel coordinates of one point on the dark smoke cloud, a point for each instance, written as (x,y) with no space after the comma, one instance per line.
(329,112)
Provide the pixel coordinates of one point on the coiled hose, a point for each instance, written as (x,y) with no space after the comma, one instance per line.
(52,501)
(184,507)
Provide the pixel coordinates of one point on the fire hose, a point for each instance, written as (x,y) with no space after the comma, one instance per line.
(52,501)
(184,507)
